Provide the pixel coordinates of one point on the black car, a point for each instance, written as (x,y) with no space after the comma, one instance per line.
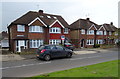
(47,52)
(69,46)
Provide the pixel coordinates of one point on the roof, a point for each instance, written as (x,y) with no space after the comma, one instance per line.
(83,24)
(109,27)
(48,19)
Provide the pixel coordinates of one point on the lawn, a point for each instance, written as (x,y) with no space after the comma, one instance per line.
(105,69)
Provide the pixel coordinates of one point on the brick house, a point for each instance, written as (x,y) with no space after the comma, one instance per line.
(37,28)
(85,33)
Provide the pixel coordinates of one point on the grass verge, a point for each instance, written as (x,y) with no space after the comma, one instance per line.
(105,69)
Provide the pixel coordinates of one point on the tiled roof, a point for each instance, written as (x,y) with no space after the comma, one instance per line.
(48,19)
(83,24)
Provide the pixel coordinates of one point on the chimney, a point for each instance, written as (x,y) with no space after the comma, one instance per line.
(40,11)
(88,19)
(111,23)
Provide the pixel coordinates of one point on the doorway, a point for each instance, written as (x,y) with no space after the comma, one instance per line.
(82,43)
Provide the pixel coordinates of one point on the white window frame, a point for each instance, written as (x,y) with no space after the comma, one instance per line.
(48,16)
(99,32)
(37,29)
(21,28)
(66,30)
(36,43)
(90,32)
(55,30)
(99,41)
(54,41)
(105,32)
(82,31)
(110,33)
(90,42)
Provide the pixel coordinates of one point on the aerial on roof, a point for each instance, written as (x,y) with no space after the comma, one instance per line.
(48,19)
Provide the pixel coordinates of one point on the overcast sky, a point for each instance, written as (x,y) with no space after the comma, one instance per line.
(99,11)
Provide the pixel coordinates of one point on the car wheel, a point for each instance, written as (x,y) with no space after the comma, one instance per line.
(47,57)
(69,55)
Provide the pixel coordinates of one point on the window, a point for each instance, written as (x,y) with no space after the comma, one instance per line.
(35,43)
(82,31)
(65,30)
(110,33)
(90,32)
(99,41)
(99,32)
(105,33)
(55,17)
(41,16)
(90,42)
(55,42)
(20,28)
(48,17)
(55,30)
(59,47)
(36,29)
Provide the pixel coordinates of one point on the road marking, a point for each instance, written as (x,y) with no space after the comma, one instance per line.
(24,65)
(84,58)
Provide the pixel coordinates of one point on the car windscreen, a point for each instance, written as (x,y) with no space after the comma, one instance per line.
(68,44)
(41,47)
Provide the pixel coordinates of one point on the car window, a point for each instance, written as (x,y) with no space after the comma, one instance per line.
(67,44)
(52,47)
(47,47)
(59,47)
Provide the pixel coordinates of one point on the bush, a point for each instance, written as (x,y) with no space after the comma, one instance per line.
(97,45)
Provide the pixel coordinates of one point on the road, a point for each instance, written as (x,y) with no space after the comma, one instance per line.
(33,67)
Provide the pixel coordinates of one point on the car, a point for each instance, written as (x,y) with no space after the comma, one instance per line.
(48,52)
(69,46)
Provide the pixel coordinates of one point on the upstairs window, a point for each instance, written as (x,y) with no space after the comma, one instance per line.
(55,30)
(65,30)
(82,31)
(99,32)
(90,32)
(36,29)
(20,28)
(110,33)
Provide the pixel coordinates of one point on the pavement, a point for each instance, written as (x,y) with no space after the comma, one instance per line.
(15,57)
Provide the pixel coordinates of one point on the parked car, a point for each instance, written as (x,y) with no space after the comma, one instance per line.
(69,46)
(48,52)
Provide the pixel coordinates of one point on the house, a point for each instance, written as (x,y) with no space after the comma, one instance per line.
(85,33)
(4,39)
(37,28)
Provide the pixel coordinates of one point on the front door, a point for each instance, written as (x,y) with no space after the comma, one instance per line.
(82,43)
(20,44)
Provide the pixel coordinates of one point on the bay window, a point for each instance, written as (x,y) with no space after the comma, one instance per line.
(36,29)
(90,42)
(54,41)
(35,43)
(55,30)
(90,32)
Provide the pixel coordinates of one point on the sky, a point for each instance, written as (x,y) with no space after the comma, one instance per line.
(99,11)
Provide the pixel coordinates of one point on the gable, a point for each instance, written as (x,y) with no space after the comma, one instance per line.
(37,21)
(56,24)
(92,27)
(102,28)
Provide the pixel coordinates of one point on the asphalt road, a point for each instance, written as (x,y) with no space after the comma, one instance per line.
(33,67)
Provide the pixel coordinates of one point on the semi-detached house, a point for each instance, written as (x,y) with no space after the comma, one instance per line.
(85,33)
(37,28)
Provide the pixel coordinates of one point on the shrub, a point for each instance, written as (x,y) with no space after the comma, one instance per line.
(118,44)
(97,45)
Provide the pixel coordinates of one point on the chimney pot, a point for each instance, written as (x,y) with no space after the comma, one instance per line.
(40,11)
(88,19)
(111,23)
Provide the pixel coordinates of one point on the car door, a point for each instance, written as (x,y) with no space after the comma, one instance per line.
(53,51)
(61,51)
